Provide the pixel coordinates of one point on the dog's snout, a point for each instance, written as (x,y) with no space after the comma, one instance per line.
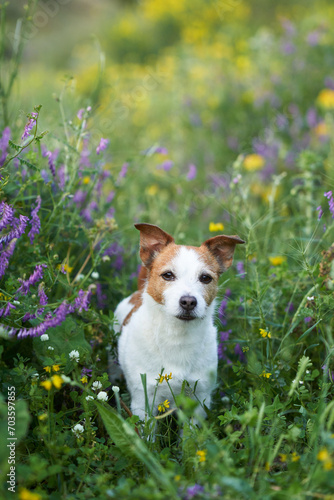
(188,303)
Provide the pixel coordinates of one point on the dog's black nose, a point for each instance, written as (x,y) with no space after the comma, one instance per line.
(188,303)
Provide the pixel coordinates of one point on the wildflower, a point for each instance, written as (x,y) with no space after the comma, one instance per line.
(102,146)
(86,180)
(42,417)
(241,269)
(193,491)
(163,406)
(102,396)
(82,301)
(321,130)
(213,227)
(168,377)
(89,398)
(325,98)
(324,457)
(50,348)
(51,161)
(295,457)
(166,165)
(283,457)
(265,374)
(320,212)
(74,355)
(123,171)
(5,311)
(264,333)
(25,494)
(47,384)
(36,276)
(57,381)
(202,455)
(54,368)
(84,379)
(19,226)
(43,299)
(4,144)
(329,196)
(253,162)
(65,268)
(161,378)
(44,337)
(29,125)
(66,379)
(95,275)
(192,172)
(277,261)
(152,190)
(78,429)
(7,215)
(96,385)
(115,388)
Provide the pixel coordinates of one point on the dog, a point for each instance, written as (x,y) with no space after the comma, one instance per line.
(167,326)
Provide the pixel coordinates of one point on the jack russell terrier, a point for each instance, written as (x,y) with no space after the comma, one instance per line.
(168,324)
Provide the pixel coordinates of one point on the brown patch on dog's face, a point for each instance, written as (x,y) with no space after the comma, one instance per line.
(156,284)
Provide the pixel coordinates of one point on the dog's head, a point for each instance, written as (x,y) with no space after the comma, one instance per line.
(184,278)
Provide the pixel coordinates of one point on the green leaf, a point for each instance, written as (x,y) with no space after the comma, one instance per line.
(27,163)
(126,439)
(14,146)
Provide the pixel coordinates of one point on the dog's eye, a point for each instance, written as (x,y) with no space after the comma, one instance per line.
(205,278)
(168,276)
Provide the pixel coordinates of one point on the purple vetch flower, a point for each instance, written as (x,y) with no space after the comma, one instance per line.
(311,117)
(308,319)
(102,146)
(161,150)
(51,161)
(289,308)
(329,196)
(19,228)
(36,276)
(86,372)
(240,353)
(223,307)
(4,144)
(329,82)
(5,256)
(34,221)
(29,126)
(222,348)
(7,215)
(193,491)
(123,171)
(110,197)
(59,317)
(313,38)
(5,311)
(80,113)
(85,153)
(82,301)
(165,165)
(192,172)
(101,297)
(27,317)
(241,269)
(79,197)
(320,212)
(43,298)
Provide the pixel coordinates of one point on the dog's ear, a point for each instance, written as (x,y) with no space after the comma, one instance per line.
(152,241)
(222,247)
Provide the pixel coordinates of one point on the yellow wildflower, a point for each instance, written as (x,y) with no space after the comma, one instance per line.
(86,179)
(264,333)
(47,384)
(216,226)
(202,455)
(42,417)
(25,494)
(160,378)
(152,190)
(283,457)
(321,130)
(55,368)
(267,466)
(168,377)
(163,406)
(84,379)
(265,374)
(324,457)
(47,369)
(277,261)
(57,381)
(295,457)
(326,98)
(177,477)
(253,162)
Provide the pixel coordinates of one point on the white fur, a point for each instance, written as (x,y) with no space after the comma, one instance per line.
(155,339)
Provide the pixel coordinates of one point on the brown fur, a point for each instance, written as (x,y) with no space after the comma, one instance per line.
(136,300)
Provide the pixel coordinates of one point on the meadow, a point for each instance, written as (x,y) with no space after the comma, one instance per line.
(202,117)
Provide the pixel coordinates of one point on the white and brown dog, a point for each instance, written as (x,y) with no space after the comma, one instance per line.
(168,324)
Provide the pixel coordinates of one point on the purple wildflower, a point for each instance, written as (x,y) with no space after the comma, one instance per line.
(34,221)
(36,276)
(222,346)
(3,145)
(110,197)
(80,113)
(313,38)
(329,196)
(7,215)
(289,308)
(51,161)
(43,298)
(101,297)
(82,301)
(161,150)
(192,172)
(19,228)
(59,317)
(320,212)
(5,311)
(86,372)
(241,269)
(193,491)
(29,126)
(102,146)
(123,171)
(308,319)
(5,256)
(166,165)
(222,310)
(240,353)
(61,177)
(27,317)
(79,197)
(311,117)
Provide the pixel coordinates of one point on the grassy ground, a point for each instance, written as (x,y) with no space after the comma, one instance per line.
(202,118)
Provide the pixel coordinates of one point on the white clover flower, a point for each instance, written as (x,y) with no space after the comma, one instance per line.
(301,382)
(44,337)
(16,302)
(50,348)
(310,298)
(106,258)
(89,398)
(74,355)
(115,388)
(96,385)
(102,396)
(66,379)
(79,277)
(35,375)
(95,275)
(78,430)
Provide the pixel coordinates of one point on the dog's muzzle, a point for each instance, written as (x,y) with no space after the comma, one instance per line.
(187,303)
